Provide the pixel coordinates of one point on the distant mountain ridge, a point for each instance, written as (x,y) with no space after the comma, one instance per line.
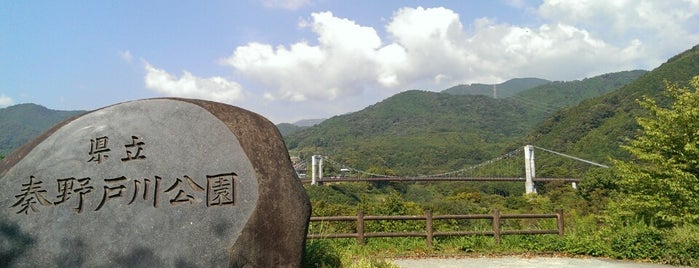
(410,131)
(419,131)
(554,96)
(415,131)
(308,122)
(22,122)
(287,129)
(502,90)
(597,127)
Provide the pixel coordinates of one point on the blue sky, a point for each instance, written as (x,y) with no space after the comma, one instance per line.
(298,59)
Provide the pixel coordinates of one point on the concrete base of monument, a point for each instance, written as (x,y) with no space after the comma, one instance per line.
(157,183)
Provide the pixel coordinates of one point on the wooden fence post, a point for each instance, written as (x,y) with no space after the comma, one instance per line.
(496,226)
(360,227)
(559,221)
(428,227)
(430,233)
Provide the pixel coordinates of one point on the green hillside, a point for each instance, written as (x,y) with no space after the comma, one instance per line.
(643,208)
(20,123)
(597,127)
(419,132)
(287,129)
(554,96)
(505,89)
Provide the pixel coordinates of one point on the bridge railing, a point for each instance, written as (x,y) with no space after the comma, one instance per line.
(430,233)
(435,179)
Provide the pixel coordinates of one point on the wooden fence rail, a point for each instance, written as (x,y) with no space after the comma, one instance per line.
(429,219)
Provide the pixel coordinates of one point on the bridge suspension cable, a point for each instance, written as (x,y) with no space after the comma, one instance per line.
(529,170)
(356,170)
(508,155)
(571,157)
(470,168)
(474,168)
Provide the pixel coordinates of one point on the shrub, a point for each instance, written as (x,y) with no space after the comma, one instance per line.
(320,253)
(583,237)
(590,244)
(683,246)
(637,241)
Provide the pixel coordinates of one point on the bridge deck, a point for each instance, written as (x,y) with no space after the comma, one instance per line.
(420,179)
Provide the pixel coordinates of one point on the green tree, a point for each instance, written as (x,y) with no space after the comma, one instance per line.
(598,187)
(660,186)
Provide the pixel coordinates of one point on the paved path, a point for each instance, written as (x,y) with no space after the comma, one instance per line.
(507,262)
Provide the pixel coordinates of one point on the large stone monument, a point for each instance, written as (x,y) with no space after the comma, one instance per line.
(153,183)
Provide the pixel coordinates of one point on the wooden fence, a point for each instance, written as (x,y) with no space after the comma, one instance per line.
(429,219)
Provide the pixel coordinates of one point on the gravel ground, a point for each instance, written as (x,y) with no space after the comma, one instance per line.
(521,262)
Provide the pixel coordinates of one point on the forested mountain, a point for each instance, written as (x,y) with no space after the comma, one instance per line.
(555,96)
(597,127)
(427,132)
(20,123)
(642,207)
(416,131)
(502,90)
(308,122)
(419,131)
(287,129)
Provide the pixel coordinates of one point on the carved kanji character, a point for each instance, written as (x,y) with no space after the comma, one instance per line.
(65,188)
(99,149)
(181,196)
(31,193)
(134,153)
(220,189)
(71,185)
(112,191)
(146,184)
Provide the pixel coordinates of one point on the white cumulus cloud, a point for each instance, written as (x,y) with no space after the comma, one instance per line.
(286,4)
(189,86)
(126,56)
(554,51)
(661,26)
(342,63)
(5,101)
(433,48)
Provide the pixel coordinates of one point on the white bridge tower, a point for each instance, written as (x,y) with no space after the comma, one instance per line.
(529,169)
(316,169)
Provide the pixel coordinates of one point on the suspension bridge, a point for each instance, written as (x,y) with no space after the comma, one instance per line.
(484,171)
